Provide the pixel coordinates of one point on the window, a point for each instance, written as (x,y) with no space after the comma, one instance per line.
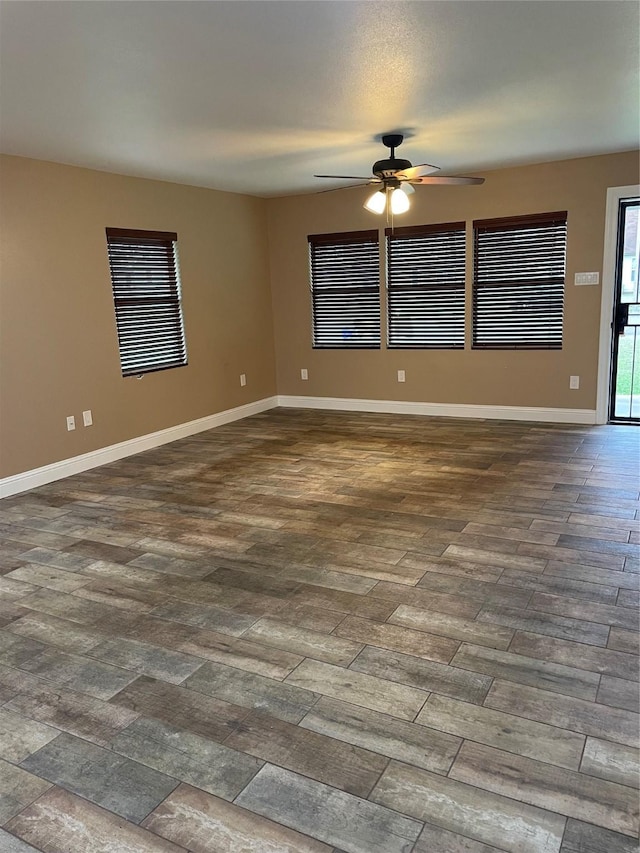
(518,288)
(146,293)
(425,286)
(345,290)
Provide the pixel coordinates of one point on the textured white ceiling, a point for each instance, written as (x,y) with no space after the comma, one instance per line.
(256,97)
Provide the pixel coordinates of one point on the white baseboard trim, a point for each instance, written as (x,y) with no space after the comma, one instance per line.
(67,467)
(443,410)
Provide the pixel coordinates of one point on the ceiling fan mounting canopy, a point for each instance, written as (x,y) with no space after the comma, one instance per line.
(388,168)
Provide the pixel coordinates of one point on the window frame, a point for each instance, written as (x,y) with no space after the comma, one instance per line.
(457,289)
(554,285)
(367,285)
(165,309)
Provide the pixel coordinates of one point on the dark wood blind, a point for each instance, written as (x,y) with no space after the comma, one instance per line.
(518,288)
(146,293)
(345,290)
(425,286)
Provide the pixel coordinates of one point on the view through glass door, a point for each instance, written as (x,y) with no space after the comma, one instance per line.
(625,361)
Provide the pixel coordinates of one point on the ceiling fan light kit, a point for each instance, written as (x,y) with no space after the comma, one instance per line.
(395,176)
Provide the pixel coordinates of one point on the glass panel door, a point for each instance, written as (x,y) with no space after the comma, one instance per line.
(625,362)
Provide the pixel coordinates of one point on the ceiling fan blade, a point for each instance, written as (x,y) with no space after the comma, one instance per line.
(443,179)
(346,177)
(348,187)
(414,171)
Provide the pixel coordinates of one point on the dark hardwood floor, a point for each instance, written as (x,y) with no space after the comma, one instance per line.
(313,631)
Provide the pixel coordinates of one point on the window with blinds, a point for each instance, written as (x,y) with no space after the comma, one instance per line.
(518,288)
(425,286)
(146,292)
(345,290)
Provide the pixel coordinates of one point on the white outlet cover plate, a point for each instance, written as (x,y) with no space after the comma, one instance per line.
(87,419)
(401,376)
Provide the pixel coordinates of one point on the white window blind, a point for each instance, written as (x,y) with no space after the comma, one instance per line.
(425,286)
(146,293)
(345,290)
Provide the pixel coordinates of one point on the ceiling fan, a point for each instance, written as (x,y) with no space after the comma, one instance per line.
(395,179)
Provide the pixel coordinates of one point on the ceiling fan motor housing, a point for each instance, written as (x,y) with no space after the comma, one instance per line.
(388,168)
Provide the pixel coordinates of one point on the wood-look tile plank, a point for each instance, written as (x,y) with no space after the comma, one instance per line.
(423,674)
(313,644)
(20,737)
(504,731)
(456,605)
(283,700)
(18,788)
(606,577)
(181,754)
(99,775)
(559,585)
(592,658)
(624,641)
(79,673)
(480,590)
(204,616)
(76,713)
(318,756)
(210,825)
(555,677)
(60,822)
(343,602)
(563,627)
(611,761)
(479,814)
(570,793)
(605,614)
(397,700)
(582,837)
(35,575)
(349,822)
(11,844)
(452,626)
(433,750)
(398,638)
(619,693)
(579,715)
(185,709)
(435,838)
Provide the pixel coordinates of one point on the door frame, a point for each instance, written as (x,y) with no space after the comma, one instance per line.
(609,265)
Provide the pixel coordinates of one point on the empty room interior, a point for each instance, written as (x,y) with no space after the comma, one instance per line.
(319,426)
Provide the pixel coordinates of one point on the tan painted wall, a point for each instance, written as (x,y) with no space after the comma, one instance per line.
(58,343)
(513,378)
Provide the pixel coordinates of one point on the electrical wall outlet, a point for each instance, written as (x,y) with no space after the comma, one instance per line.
(304,373)
(87,419)
(574,382)
(401,376)
(71,423)
(243,379)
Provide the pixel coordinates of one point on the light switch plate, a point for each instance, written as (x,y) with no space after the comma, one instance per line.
(401,376)
(574,383)
(87,419)
(586,278)
(304,373)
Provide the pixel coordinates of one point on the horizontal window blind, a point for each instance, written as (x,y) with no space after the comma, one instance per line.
(425,286)
(345,290)
(146,293)
(519,276)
